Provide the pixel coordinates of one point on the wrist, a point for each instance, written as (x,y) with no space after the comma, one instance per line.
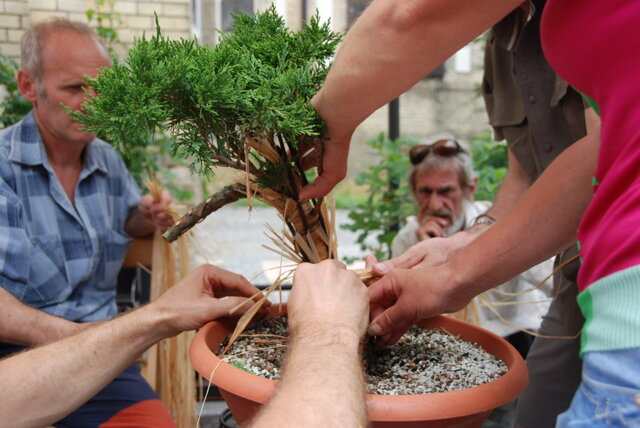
(344,338)
(464,278)
(152,323)
(484,220)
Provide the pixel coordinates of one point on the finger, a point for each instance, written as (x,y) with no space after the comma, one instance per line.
(220,308)
(322,186)
(422,235)
(434,231)
(385,323)
(226,283)
(405,261)
(442,221)
(392,337)
(145,202)
(370,260)
(387,294)
(166,198)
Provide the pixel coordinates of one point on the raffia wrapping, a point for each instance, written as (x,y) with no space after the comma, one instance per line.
(168,369)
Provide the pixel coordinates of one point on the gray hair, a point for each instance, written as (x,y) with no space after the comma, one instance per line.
(461,163)
(35,37)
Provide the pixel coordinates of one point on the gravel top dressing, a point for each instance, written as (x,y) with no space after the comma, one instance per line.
(423,361)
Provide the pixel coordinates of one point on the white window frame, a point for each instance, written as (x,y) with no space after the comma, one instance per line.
(196,18)
(462,60)
(326,11)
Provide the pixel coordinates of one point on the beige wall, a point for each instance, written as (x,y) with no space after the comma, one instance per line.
(136,16)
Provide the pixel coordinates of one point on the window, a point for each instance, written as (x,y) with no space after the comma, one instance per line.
(225,8)
(196,18)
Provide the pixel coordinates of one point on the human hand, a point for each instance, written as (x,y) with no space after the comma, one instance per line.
(202,297)
(327,299)
(432,227)
(155,212)
(424,254)
(403,297)
(331,155)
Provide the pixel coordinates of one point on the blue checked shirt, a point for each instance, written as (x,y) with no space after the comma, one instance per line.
(56,257)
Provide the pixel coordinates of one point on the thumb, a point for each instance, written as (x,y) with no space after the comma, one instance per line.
(221,307)
(320,187)
(386,305)
(388,321)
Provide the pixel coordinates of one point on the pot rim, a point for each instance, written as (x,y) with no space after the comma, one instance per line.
(418,407)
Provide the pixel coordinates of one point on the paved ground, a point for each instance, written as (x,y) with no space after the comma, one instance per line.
(233,237)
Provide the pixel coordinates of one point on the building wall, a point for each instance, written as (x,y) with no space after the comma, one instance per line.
(136,18)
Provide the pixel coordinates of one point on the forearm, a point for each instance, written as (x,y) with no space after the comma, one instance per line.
(542,224)
(23,325)
(322,383)
(397,43)
(44,384)
(514,185)
(137,226)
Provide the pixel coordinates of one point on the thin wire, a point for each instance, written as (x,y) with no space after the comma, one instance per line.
(206,393)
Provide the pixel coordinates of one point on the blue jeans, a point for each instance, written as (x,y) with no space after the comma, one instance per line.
(609,394)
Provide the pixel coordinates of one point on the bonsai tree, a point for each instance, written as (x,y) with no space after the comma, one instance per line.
(244,104)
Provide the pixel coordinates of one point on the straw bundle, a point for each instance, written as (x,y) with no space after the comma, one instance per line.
(168,369)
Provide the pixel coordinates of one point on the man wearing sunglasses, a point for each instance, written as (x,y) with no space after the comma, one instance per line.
(443,183)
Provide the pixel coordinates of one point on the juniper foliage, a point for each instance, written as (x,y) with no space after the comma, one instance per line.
(258,81)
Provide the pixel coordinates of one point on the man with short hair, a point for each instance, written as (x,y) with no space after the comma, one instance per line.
(69,210)
(443,183)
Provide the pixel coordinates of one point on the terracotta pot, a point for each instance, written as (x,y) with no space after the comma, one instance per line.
(245,392)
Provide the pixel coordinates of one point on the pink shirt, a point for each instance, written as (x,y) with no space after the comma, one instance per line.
(595,46)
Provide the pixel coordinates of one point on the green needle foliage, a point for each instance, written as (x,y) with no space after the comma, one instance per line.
(13,106)
(256,83)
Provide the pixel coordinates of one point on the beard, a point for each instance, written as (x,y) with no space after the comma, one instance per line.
(457,223)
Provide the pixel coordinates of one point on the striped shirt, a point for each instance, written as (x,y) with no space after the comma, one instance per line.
(54,256)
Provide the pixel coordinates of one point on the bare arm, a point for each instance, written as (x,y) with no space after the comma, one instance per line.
(398,43)
(515,184)
(543,223)
(23,325)
(43,385)
(322,383)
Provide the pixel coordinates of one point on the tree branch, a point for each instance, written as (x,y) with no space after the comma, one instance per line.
(195,215)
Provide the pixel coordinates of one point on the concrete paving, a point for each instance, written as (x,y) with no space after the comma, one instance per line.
(233,237)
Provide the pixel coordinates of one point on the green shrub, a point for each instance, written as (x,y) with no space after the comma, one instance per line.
(13,106)
(490,163)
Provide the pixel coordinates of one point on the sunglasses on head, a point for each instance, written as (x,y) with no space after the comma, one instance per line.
(440,147)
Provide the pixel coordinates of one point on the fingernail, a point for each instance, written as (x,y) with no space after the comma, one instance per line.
(374,330)
(380,268)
